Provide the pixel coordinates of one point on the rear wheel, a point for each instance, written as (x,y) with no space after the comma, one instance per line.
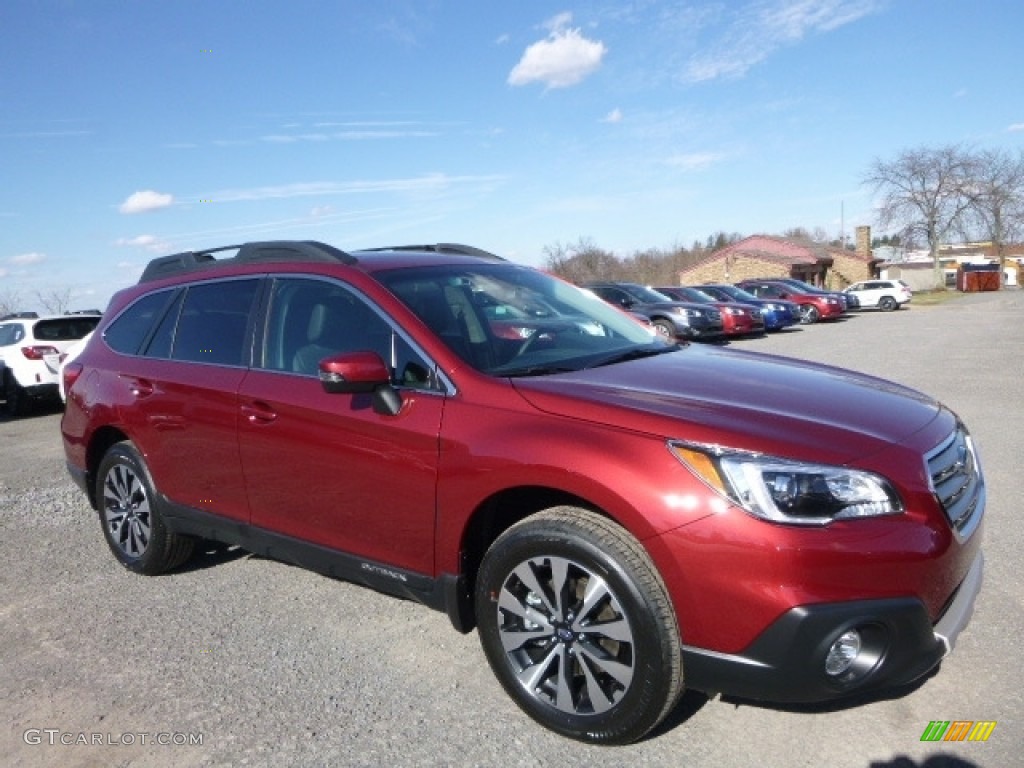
(132,524)
(887,304)
(664,329)
(578,627)
(809,314)
(16,400)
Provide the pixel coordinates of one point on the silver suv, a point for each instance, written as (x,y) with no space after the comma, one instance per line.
(886,295)
(31,348)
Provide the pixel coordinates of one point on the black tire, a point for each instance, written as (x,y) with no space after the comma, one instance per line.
(130,515)
(622,645)
(887,304)
(809,314)
(16,399)
(665,329)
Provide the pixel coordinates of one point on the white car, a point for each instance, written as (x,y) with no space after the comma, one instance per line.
(886,295)
(31,350)
(69,355)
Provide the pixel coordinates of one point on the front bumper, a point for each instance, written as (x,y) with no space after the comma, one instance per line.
(786,664)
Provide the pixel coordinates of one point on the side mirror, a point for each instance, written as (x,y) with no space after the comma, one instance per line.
(361,373)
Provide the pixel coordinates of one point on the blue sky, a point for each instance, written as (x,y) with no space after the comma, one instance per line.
(134,129)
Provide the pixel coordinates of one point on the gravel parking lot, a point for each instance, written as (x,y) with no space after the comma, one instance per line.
(239,660)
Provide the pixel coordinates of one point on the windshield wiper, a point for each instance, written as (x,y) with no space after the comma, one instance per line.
(536,370)
(634,354)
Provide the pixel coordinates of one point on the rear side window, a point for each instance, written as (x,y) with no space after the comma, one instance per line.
(213,324)
(11,333)
(127,332)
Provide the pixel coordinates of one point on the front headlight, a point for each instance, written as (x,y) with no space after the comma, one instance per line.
(794,492)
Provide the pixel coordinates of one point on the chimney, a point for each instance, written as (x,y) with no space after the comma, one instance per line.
(863,235)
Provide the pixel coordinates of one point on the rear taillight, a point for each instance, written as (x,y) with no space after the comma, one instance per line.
(71,373)
(38,352)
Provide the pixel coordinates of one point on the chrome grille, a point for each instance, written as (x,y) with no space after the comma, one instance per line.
(957,481)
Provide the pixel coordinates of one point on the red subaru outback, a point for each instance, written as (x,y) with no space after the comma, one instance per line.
(619,517)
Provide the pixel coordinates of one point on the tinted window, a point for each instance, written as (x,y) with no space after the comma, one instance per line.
(213,322)
(163,338)
(11,333)
(64,329)
(128,331)
(309,320)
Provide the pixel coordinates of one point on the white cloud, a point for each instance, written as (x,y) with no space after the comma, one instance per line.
(429,182)
(565,58)
(694,161)
(760,29)
(1016,127)
(615,116)
(25,259)
(558,22)
(146,200)
(146,242)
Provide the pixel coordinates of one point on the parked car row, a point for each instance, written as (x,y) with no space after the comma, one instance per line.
(750,307)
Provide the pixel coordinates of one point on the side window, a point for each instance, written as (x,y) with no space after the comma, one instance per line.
(309,320)
(163,338)
(213,322)
(129,330)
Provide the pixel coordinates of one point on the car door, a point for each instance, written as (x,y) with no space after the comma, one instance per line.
(181,387)
(326,468)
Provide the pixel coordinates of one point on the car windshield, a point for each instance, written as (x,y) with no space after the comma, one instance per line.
(647,295)
(734,293)
(508,320)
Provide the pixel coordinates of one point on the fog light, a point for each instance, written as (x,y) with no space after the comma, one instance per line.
(843,653)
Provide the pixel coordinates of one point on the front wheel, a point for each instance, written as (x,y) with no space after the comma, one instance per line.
(664,329)
(809,314)
(577,626)
(132,524)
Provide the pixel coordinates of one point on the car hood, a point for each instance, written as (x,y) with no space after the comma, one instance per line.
(742,400)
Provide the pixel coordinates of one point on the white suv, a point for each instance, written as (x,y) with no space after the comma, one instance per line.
(884,294)
(31,348)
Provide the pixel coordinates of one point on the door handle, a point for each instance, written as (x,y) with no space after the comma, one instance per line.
(140,388)
(258,413)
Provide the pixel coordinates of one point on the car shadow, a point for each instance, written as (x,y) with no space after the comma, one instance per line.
(692,702)
(210,554)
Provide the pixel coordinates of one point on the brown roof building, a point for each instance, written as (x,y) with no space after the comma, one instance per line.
(763,256)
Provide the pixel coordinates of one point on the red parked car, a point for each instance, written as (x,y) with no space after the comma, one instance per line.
(814,305)
(737,319)
(620,517)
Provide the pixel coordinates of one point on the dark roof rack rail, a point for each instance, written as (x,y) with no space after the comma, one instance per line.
(246,253)
(466,250)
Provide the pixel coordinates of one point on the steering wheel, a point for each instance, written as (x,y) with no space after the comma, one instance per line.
(542,334)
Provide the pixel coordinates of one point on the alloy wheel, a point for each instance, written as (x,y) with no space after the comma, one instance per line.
(126,510)
(566,636)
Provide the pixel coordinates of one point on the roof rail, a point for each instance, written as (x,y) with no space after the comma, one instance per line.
(465,250)
(246,253)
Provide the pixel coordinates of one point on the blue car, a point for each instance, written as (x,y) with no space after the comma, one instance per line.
(777,314)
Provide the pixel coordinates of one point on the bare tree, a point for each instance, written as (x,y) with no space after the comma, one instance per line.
(10,302)
(55,302)
(582,262)
(926,192)
(997,210)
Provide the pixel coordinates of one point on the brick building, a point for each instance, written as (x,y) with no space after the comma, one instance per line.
(765,256)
